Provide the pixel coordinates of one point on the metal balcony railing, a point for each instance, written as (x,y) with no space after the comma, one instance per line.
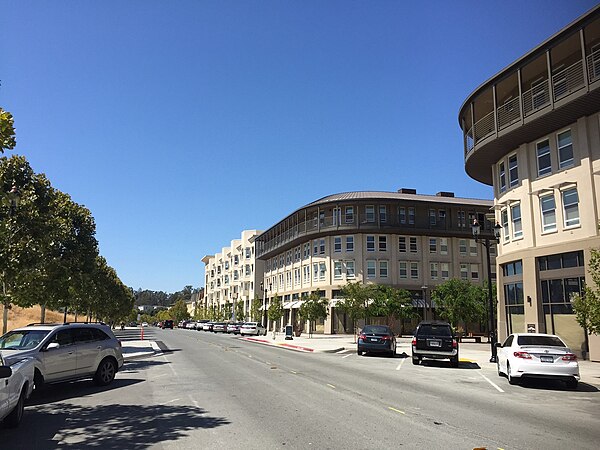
(484,127)
(568,80)
(536,98)
(593,66)
(509,113)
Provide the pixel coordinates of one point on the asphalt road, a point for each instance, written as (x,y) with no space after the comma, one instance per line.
(217,391)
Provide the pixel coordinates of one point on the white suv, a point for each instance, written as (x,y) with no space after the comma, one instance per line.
(66,351)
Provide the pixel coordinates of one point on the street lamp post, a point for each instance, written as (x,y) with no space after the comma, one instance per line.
(424,295)
(487,241)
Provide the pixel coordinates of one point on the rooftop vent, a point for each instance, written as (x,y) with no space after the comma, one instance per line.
(407,191)
(445,194)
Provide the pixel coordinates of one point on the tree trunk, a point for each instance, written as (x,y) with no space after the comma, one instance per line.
(43,313)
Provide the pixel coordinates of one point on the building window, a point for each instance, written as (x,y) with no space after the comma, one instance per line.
(413,244)
(402,244)
(432,217)
(571,207)
(513,171)
(515,311)
(370,243)
(462,247)
(403,269)
(433,270)
(464,271)
(322,271)
(402,214)
(414,270)
(383,243)
(543,158)
(315,271)
(337,270)
(411,215)
(349,243)
(472,247)
(512,268)
(248,271)
(517,226)
(443,246)
(462,219)
(475,271)
(370,268)
(502,176)
(561,261)
(306,274)
(383,214)
(565,150)
(248,252)
(432,245)
(445,271)
(383,269)
(548,207)
(322,246)
(350,269)
(370,213)
(349,214)
(315,247)
(504,218)
(337,244)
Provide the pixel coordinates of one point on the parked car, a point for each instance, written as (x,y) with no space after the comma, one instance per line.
(377,339)
(207,326)
(219,327)
(537,355)
(234,328)
(435,340)
(200,324)
(64,352)
(253,328)
(167,324)
(16,385)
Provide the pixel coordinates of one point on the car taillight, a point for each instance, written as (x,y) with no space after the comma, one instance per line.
(362,336)
(523,355)
(414,341)
(386,338)
(569,357)
(454,343)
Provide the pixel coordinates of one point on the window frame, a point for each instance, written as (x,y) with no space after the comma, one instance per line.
(547,169)
(569,162)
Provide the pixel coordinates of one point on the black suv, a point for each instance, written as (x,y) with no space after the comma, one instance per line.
(167,324)
(435,340)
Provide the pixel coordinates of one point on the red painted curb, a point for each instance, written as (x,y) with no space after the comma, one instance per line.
(305,349)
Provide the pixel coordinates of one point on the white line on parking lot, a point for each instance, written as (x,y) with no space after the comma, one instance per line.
(400,365)
(349,354)
(491,382)
(343,351)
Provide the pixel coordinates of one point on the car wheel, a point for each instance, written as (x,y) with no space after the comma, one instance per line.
(416,360)
(14,418)
(498,368)
(106,372)
(454,362)
(359,352)
(38,381)
(572,383)
(511,379)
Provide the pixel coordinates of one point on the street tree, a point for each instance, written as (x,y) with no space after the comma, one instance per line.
(356,297)
(460,302)
(391,303)
(7,131)
(587,306)
(239,311)
(255,311)
(314,308)
(178,311)
(275,311)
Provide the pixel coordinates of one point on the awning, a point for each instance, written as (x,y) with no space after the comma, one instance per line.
(333,302)
(288,305)
(297,304)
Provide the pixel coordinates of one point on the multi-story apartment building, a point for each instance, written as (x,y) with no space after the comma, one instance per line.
(533,132)
(233,275)
(399,238)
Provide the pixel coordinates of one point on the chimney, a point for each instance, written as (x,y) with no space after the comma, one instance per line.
(445,194)
(407,191)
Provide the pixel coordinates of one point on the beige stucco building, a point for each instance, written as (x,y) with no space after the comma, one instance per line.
(233,275)
(533,132)
(403,239)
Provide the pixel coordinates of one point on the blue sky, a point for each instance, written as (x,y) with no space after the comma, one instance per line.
(181,123)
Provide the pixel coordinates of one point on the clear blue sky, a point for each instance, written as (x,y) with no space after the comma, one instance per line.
(181,123)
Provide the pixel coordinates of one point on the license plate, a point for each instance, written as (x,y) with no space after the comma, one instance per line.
(435,343)
(546,359)
(374,339)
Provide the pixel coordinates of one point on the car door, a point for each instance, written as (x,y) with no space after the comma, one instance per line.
(60,363)
(503,352)
(4,387)
(88,341)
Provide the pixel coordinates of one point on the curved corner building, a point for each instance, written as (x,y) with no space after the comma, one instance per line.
(532,131)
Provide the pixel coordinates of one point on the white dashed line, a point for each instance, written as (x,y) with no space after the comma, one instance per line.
(491,382)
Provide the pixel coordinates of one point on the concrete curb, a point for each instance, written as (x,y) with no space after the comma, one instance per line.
(297,348)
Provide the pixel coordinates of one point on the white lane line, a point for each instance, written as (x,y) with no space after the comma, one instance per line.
(349,354)
(491,382)
(400,365)
(343,351)
(331,386)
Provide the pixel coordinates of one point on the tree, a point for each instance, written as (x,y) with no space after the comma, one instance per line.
(391,303)
(179,312)
(7,131)
(314,308)
(356,298)
(255,311)
(587,306)
(460,301)
(239,311)
(275,311)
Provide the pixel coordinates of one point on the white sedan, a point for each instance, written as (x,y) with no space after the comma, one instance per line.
(536,355)
(253,328)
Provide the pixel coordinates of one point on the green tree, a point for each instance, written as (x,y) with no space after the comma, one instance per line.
(314,308)
(391,303)
(460,302)
(356,297)
(275,311)
(239,311)
(587,306)
(255,311)
(179,311)
(7,131)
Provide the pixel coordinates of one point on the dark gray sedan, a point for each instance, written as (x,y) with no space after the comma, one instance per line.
(377,339)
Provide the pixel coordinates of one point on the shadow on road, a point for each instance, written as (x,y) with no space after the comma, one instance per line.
(446,364)
(105,426)
(555,385)
(76,389)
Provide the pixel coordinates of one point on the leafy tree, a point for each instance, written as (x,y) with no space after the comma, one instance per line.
(179,311)
(239,311)
(391,303)
(7,131)
(314,308)
(460,301)
(275,311)
(255,311)
(587,306)
(356,298)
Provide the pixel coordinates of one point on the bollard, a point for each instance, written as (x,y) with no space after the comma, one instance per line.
(142,332)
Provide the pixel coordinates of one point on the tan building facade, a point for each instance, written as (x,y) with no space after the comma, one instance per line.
(533,132)
(402,239)
(233,275)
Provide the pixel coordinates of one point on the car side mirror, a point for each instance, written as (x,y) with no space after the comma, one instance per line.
(53,346)
(5,371)
(498,344)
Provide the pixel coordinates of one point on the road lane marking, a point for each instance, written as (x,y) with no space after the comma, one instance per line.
(491,382)
(343,351)
(331,386)
(349,354)
(294,372)
(396,410)
(400,365)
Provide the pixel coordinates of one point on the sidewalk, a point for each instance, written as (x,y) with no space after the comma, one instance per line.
(138,349)
(478,353)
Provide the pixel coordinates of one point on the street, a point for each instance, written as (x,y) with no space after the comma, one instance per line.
(216,391)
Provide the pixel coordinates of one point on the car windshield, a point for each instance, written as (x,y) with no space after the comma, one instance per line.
(546,341)
(376,330)
(435,330)
(22,340)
